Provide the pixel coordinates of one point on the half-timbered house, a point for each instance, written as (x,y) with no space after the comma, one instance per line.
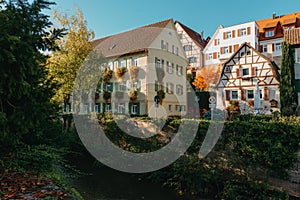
(241,73)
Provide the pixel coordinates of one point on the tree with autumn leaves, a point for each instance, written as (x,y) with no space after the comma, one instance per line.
(206,76)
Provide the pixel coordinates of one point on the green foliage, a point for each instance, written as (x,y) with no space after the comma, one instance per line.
(25,92)
(161,95)
(120,72)
(107,75)
(288,95)
(63,65)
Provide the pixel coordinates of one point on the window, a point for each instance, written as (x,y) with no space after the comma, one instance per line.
(178,108)
(108,107)
(217,41)
(158,63)
(167,46)
(122,63)
(250,94)
(173,49)
(179,89)
(225,50)
(265,48)
(297,57)
(187,47)
(176,51)
(192,59)
(234,95)
(288,28)
(134,62)
(218,54)
(110,65)
(210,56)
(108,87)
(122,86)
(86,108)
(248,52)
(277,46)
(242,53)
(183,108)
(170,67)
(245,72)
(170,88)
(121,108)
(269,33)
(228,35)
(134,109)
(96,108)
(170,107)
(243,31)
(179,70)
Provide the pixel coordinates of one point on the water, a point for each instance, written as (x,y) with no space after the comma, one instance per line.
(105,183)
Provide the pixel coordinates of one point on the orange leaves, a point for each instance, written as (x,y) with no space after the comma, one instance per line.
(27,186)
(206,76)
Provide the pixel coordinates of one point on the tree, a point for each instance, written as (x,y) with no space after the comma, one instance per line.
(74,47)
(288,95)
(205,77)
(25,93)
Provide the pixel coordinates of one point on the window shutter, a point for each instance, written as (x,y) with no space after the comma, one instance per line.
(103,107)
(116,86)
(230,49)
(206,56)
(233,34)
(224,35)
(253,71)
(239,32)
(215,42)
(238,72)
(111,88)
(214,55)
(243,93)
(104,86)
(129,108)
(248,30)
(273,47)
(261,48)
(227,95)
(266,94)
(138,108)
(221,50)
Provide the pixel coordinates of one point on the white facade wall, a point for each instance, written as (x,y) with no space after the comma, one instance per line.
(218,43)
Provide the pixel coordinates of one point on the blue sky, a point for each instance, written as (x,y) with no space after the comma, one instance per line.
(113,16)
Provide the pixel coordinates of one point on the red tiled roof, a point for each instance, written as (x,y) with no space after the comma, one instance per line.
(292,36)
(196,37)
(284,20)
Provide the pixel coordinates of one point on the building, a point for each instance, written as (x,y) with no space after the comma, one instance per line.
(240,74)
(272,31)
(193,44)
(293,37)
(155,55)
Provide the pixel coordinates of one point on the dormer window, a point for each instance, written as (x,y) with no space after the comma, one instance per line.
(269,33)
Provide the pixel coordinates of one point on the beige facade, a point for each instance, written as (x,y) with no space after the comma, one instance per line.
(157,53)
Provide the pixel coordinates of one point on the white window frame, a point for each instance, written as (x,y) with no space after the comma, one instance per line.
(122,86)
(86,108)
(243,32)
(121,108)
(107,86)
(107,107)
(110,65)
(134,109)
(178,108)
(192,59)
(278,46)
(170,88)
(210,56)
(265,48)
(270,33)
(134,61)
(96,108)
(170,107)
(122,63)
(180,71)
(228,35)
(245,75)
(225,50)
(231,95)
(218,54)
(179,89)
(187,47)
(297,55)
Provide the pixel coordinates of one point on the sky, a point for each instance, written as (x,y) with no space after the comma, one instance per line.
(108,17)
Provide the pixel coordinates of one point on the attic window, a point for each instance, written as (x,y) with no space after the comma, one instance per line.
(269,33)
(112,47)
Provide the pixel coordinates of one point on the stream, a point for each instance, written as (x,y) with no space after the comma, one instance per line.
(104,183)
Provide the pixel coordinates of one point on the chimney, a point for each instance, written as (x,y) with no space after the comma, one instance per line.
(202,34)
(274,15)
